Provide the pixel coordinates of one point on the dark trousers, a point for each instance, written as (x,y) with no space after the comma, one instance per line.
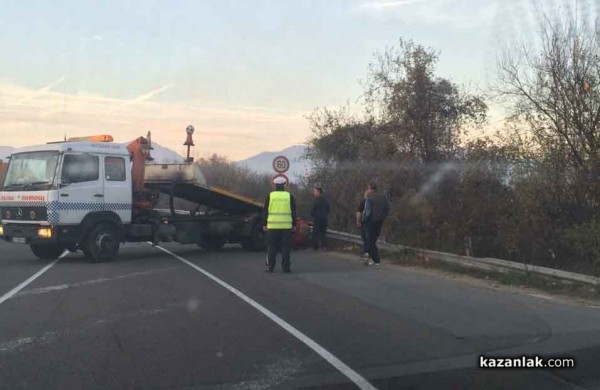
(320,233)
(280,240)
(373,230)
(364,235)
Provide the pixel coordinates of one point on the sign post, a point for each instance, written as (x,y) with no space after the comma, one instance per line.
(281,165)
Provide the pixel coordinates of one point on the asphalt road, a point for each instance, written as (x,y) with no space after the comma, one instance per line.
(152,321)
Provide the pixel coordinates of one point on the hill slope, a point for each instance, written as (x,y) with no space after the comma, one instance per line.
(262,162)
(5,151)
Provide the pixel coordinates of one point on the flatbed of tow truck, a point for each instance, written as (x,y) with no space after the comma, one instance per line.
(186,181)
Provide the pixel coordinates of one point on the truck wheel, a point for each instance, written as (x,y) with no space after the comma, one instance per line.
(257,242)
(102,243)
(47,251)
(211,242)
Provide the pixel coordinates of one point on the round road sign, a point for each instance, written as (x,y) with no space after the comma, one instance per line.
(287,180)
(281,164)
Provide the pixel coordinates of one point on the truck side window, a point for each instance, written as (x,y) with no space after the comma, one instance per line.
(78,168)
(114,168)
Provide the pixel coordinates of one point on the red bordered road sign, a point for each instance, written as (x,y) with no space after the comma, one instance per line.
(281,164)
(287,180)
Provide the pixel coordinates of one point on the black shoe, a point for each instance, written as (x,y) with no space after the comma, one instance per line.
(269,270)
(287,271)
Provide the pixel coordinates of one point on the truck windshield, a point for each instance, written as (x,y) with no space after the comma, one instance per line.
(31,171)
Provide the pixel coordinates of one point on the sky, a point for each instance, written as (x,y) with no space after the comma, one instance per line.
(244,73)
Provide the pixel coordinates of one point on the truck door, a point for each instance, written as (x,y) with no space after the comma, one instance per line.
(117,187)
(81,190)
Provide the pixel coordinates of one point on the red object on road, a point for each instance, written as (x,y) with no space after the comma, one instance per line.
(302,236)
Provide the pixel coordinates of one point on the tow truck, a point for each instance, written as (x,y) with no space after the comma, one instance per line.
(92,194)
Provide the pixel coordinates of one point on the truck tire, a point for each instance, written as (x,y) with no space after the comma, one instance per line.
(211,242)
(257,242)
(102,243)
(47,251)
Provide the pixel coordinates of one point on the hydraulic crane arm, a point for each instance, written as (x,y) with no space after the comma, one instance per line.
(139,149)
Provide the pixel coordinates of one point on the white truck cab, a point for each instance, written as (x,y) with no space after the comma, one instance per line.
(54,194)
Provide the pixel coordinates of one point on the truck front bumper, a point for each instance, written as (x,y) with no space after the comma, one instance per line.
(28,234)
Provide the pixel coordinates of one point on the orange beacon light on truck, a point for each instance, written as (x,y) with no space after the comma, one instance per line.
(92,138)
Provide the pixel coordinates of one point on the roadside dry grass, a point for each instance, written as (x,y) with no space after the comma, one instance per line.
(513,281)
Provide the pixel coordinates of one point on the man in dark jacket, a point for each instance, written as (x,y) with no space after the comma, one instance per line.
(364,233)
(375,212)
(319,213)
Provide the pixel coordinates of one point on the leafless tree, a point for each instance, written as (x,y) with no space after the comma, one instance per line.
(556,90)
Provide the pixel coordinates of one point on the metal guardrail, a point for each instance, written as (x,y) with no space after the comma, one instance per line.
(488,264)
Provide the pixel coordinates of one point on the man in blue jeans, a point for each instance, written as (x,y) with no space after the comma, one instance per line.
(363,227)
(375,210)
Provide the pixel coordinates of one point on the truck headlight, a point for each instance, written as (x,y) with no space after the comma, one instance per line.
(1,230)
(45,232)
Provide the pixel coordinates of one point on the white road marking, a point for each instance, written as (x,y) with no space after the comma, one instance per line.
(33,277)
(355,377)
(546,297)
(26,343)
(49,289)
(16,344)
(274,374)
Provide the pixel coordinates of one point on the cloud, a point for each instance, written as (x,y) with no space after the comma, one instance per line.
(151,94)
(88,39)
(453,14)
(387,4)
(236,132)
(39,92)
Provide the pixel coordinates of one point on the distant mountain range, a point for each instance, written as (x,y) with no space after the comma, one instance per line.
(163,155)
(263,162)
(260,163)
(5,151)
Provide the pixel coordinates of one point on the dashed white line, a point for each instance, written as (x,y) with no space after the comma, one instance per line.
(33,277)
(355,377)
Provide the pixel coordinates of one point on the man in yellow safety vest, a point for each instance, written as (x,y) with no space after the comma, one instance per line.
(280,223)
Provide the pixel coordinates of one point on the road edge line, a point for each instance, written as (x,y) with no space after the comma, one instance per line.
(33,277)
(348,372)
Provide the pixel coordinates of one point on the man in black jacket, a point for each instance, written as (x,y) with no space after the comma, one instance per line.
(375,212)
(319,213)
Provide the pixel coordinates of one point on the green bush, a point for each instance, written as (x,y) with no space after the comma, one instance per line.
(584,239)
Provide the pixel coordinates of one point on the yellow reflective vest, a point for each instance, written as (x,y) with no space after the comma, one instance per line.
(280,211)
